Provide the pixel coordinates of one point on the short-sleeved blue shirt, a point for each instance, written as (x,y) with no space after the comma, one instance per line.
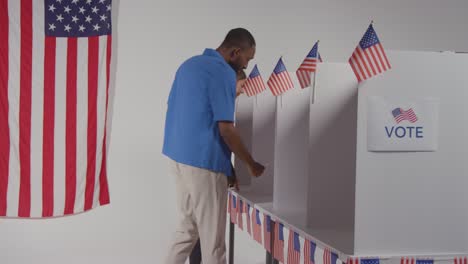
(203,93)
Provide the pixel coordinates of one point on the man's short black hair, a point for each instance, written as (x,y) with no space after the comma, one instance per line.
(239,38)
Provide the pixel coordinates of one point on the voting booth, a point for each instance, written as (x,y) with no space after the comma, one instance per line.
(256,122)
(377,168)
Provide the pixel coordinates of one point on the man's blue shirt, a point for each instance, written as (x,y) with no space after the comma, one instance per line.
(203,93)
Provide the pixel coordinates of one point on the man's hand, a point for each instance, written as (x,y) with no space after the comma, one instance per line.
(234,184)
(233,140)
(256,169)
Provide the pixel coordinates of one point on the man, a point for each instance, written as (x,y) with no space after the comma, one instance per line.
(195,256)
(199,138)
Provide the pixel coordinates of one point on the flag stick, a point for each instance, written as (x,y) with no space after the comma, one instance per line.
(313,87)
(315,73)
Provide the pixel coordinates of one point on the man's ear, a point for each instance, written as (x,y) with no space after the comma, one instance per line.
(235,52)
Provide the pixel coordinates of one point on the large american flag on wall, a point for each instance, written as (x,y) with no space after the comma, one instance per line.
(54,83)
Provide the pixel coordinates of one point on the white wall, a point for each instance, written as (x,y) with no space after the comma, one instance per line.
(154,38)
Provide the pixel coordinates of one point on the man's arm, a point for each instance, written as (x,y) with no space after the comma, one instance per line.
(233,140)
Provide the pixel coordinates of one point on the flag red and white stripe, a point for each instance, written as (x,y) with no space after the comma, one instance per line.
(54,99)
(254,84)
(240,209)
(327,256)
(278,244)
(460,260)
(280,81)
(352,261)
(294,248)
(257,226)
(233,208)
(369,58)
(406,260)
(308,67)
(309,252)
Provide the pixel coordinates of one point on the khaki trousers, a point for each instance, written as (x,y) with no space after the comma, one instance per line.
(201,204)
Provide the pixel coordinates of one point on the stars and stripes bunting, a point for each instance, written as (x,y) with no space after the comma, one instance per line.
(423,261)
(257,226)
(309,252)
(294,248)
(368,261)
(278,244)
(280,81)
(369,58)
(267,232)
(460,260)
(405,260)
(352,261)
(410,260)
(329,257)
(234,209)
(240,222)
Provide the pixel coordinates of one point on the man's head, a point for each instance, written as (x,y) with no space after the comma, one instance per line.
(238,48)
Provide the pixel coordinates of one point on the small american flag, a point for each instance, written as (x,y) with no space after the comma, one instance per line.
(247,211)
(234,209)
(278,244)
(329,257)
(254,84)
(308,66)
(294,248)
(352,261)
(257,226)
(400,115)
(369,261)
(240,222)
(280,81)
(460,260)
(369,57)
(267,233)
(309,252)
